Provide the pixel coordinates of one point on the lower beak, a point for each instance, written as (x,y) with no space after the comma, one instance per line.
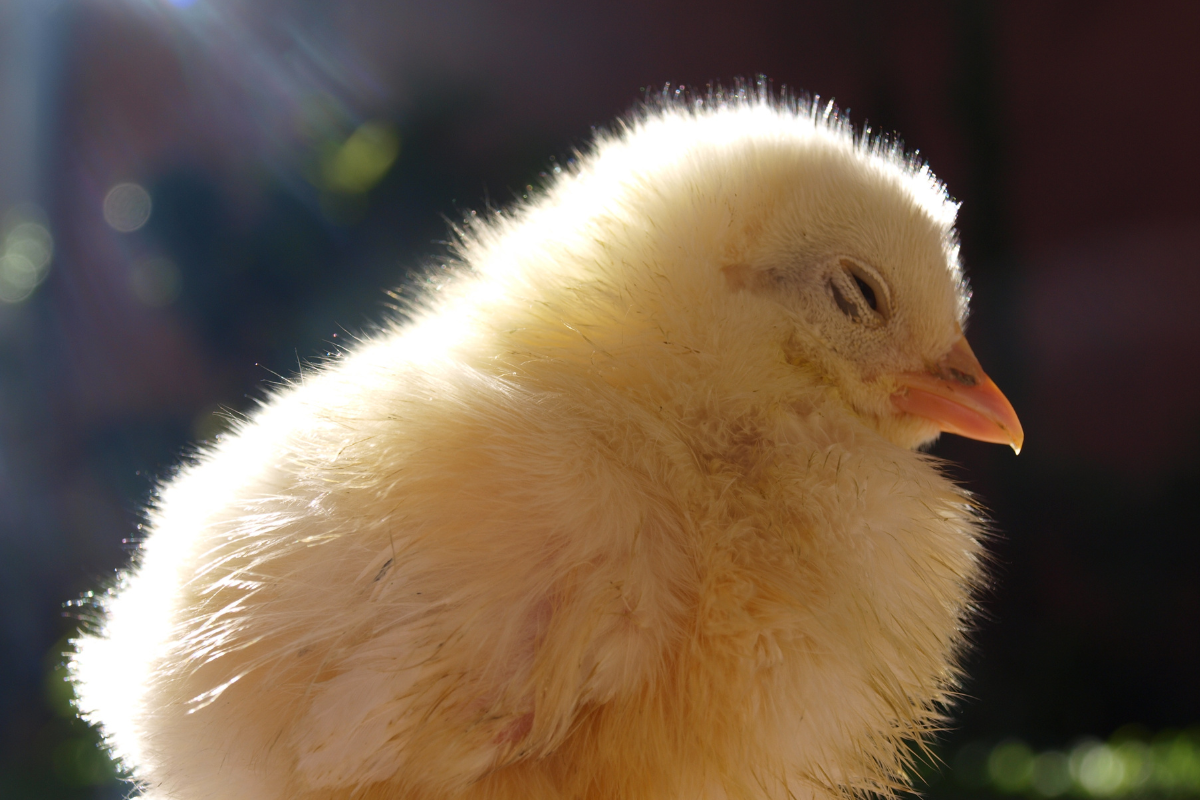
(959,396)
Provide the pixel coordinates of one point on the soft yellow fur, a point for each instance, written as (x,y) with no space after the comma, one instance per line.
(622,511)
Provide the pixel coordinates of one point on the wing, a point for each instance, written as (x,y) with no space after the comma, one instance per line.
(412,590)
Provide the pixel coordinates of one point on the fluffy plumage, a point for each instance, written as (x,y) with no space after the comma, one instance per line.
(625,510)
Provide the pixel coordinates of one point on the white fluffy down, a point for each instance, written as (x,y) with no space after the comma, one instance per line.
(620,511)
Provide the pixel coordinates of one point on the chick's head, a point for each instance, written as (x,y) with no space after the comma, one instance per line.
(837,254)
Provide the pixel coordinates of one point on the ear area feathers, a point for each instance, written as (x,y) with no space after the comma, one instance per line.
(768,281)
(738,276)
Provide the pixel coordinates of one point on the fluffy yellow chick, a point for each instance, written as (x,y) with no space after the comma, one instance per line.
(628,508)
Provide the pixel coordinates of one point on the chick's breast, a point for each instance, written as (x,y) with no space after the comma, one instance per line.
(587,547)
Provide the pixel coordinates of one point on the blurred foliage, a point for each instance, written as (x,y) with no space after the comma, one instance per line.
(1132,763)
(61,757)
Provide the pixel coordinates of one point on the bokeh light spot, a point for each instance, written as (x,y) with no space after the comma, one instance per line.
(1176,763)
(1127,766)
(127,207)
(1051,776)
(1139,766)
(362,160)
(1099,771)
(26,248)
(1010,765)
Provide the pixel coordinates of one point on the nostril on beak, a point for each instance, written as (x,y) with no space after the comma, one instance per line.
(964,378)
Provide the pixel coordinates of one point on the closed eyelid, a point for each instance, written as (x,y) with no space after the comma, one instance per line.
(860,273)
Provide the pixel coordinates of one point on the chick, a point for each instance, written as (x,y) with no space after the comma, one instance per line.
(628,506)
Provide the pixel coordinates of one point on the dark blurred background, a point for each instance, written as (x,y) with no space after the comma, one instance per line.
(197,196)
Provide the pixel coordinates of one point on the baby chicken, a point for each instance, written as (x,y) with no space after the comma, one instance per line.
(628,507)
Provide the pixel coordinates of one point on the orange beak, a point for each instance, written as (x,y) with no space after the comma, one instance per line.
(959,396)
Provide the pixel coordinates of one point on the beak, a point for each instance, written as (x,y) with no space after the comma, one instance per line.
(959,396)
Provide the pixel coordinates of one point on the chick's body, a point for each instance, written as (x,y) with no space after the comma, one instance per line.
(622,511)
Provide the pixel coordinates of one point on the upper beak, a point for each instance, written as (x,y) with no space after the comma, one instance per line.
(959,396)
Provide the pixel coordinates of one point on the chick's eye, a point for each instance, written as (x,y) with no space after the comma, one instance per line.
(867,292)
(859,292)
